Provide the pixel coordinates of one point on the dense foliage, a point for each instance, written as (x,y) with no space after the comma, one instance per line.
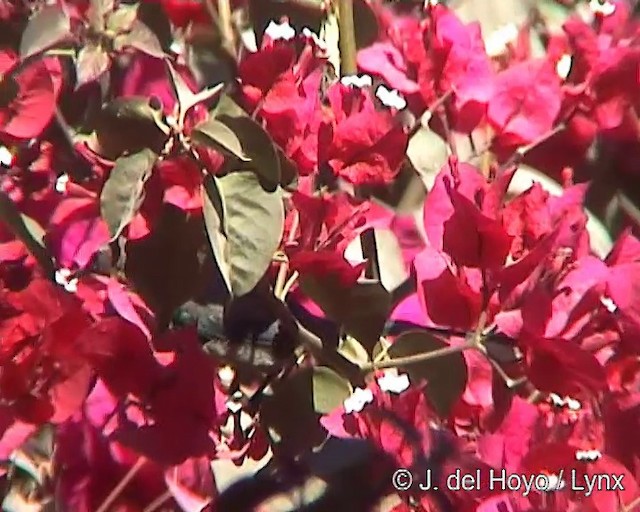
(261,239)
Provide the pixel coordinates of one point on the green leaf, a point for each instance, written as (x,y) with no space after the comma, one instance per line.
(232,131)
(181,90)
(123,18)
(128,125)
(446,376)
(98,12)
(245,224)
(353,350)
(362,310)
(329,390)
(92,62)
(141,38)
(138,108)
(46,28)
(290,417)
(123,191)
(28,231)
(215,133)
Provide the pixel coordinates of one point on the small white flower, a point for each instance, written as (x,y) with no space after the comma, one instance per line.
(6,158)
(61,183)
(309,34)
(605,8)
(280,31)
(573,405)
(391,382)
(356,81)
(556,400)
(233,406)
(608,303)
(62,278)
(357,401)
(554,483)
(177,47)
(563,67)
(390,98)
(588,455)
(497,42)
(431,3)
(226,374)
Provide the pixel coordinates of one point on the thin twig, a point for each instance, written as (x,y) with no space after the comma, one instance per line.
(158,502)
(117,490)
(419,358)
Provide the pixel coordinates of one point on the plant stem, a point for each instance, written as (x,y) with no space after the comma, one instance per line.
(226,25)
(158,502)
(519,155)
(347,42)
(419,358)
(117,490)
(349,66)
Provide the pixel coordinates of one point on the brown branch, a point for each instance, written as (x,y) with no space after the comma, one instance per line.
(347,42)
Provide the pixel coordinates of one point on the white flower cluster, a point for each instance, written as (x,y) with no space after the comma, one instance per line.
(568,402)
(278,31)
(358,399)
(62,278)
(390,98)
(392,382)
(497,42)
(604,8)
(357,81)
(61,183)
(389,382)
(588,455)
(6,158)
(608,303)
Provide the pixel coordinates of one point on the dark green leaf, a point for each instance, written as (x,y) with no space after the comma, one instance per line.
(134,108)
(329,390)
(26,230)
(123,191)
(231,130)
(92,62)
(446,376)
(46,28)
(215,133)
(170,251)
(245,225)
(128,125)
(362,310)
(290,416)
(141,38)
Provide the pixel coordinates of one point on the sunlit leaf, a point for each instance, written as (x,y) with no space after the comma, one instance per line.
(329,390)
(245,224)
(46,28)
(122,18)
(232,131)
(122,193)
